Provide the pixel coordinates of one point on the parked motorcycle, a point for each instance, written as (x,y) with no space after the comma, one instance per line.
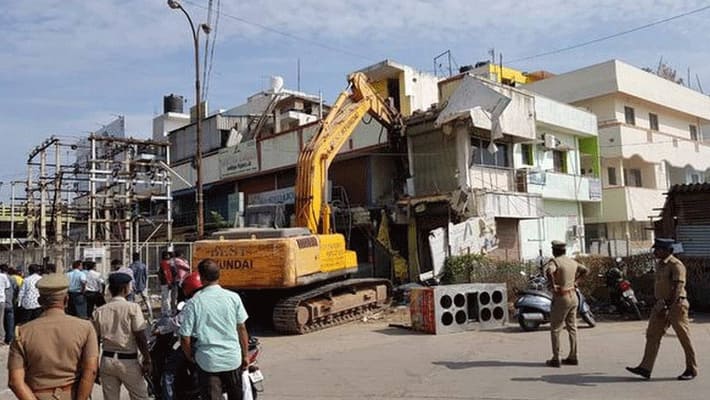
(621,294)
(173,376)
(533,305)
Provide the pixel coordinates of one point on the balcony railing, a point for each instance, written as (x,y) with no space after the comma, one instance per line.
(497,179)
(556,185)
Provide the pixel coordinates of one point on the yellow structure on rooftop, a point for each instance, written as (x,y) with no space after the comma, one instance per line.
(507,76)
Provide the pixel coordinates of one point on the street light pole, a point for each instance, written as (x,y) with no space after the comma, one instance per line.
(174,4)
(12,223)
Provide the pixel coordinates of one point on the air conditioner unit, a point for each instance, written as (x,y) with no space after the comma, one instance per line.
(551,141)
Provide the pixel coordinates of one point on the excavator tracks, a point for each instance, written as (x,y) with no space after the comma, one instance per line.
(330,305)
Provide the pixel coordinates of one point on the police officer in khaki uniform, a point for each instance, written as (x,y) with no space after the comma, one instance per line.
(562,274)
(671,309)
(122,331)
(54,356)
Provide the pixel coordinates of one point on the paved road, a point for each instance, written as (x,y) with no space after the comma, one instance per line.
(371,360)
(377,362)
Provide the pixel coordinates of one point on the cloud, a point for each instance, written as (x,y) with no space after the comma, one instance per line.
(68,65)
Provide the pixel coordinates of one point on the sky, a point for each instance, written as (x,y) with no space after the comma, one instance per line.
(69,66)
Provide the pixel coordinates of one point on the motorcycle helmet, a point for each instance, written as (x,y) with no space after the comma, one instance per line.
(190,284)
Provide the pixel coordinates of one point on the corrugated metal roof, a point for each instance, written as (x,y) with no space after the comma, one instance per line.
(695,239)
(692,187)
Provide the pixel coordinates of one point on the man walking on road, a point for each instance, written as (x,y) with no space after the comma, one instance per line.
(77,287)
(183,269)
(53,357)
(10,300)
(671,309)
(5,286)
(28,296)
(140,280)
(166,277)
(215,318)
(94,288)
(121,329)
(562,274)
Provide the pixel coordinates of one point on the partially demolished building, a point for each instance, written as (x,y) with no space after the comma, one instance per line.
(497,170)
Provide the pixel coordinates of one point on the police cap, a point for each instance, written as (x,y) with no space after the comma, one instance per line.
(119,279)
(559,244)
(52,284)
(663,243)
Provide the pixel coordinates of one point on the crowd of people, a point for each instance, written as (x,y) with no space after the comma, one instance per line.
(73,333)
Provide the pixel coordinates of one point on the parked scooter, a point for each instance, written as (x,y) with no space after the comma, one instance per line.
(533,305)
(621,293)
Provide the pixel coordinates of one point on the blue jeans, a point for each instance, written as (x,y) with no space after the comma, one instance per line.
(9,324)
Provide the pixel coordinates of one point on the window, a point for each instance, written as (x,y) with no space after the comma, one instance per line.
(527,150)
(559,161)
(694,178)
(223,137)
(481,156)
(630,115)
(632,177)
(612,176)
(653,121)
(693,132)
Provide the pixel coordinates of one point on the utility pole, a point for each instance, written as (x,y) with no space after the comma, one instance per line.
(43,202)
(12,221)
(58,236)
(175,5)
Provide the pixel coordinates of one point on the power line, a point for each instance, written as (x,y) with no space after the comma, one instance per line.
(206,51)
(612,36)
(287,34)
(208,77)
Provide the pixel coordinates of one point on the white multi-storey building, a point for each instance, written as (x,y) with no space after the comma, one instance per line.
(650,138)
(529,189)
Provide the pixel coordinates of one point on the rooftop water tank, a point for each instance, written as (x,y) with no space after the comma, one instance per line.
(172,103)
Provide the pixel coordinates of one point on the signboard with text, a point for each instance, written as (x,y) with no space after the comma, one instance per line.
(239,160)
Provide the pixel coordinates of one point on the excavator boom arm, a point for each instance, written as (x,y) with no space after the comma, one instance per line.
(313,162)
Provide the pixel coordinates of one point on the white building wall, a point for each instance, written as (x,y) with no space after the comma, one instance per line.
(603,107)
(670,122)
(615,76)
(536,234)
(164,123)
(420,89)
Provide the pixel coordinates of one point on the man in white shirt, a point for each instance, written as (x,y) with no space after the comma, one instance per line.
(4,285)
(28,297)
(94,288)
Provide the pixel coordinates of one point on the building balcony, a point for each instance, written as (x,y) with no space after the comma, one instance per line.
(498,179)
(559,186)
(626,203)
(509,205)
(621,140)
(498,194)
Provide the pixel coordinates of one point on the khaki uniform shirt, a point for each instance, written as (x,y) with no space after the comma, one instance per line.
(115,323)
(669,271)
(51,349)
(564,269)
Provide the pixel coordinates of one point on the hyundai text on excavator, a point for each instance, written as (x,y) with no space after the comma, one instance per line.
(309,265)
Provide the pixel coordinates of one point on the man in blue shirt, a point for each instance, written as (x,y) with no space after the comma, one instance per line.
(140,280)
(211,318)
(77,287)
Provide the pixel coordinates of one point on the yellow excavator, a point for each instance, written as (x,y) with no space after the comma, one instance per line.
(308,265)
